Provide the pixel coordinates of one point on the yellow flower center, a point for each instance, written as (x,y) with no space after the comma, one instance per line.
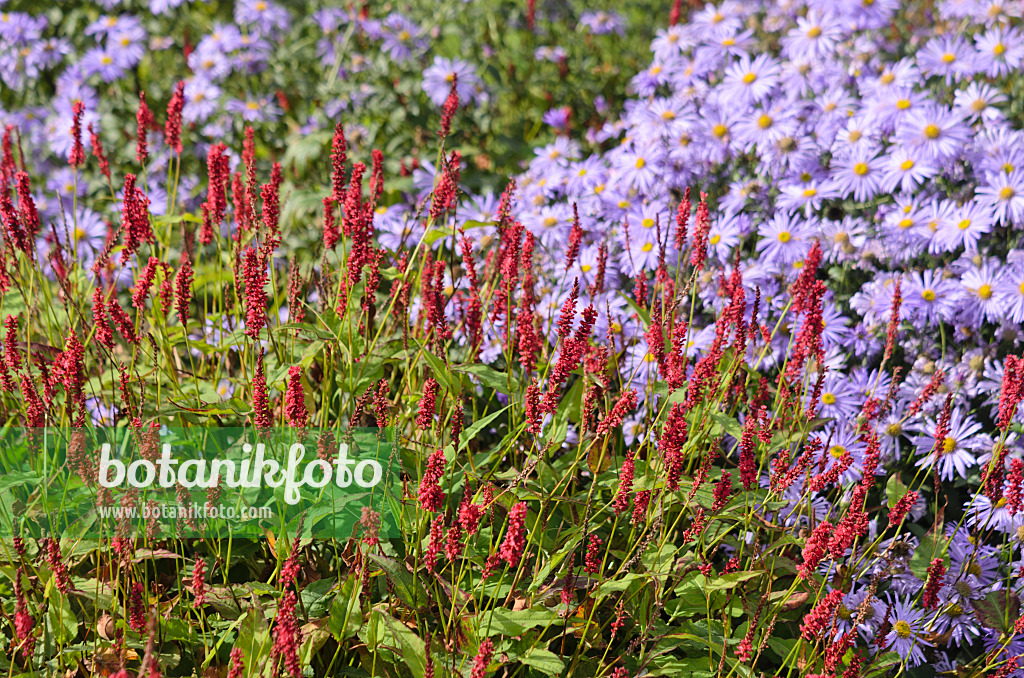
(978,105)
(905,223)
(582,172)
(586,268)
(932,131)
(928,295)
(715,239)
(894,429)
(749,78)
(647,247)
(948,444)
(668,115)
(404,35)
(813,31)
(728,42)
(810,192)
(252,105)
(260,6)
(903,104)
(964,224)
(655,70)
(828,398)
(599,188)
(999,49)
(106,60)
(855,135)
(907,164)
(550,221)
(719,130)
(837,451)
(640,162)
(888,78)
(784,236)
(985,291)
(949,57)
(1006,193)
(860,168)
(647,222)
(902,629)
(765,121)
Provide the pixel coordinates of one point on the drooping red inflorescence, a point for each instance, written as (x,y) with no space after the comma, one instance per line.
(287,635)
(338,158)
(260,398)
(1015,487)
(447,189)
(815,549)
(143,282)
(434,542)
(482,659)
(77,156)
(575,238)
(592,560)
(143,120)
(451,104)
(172,127)
(428,403)
(682,219)
(55,559)
(1012,392)
(512,547)
(295,399)
(625,489)
(23,620)
(215,207)
(97,151)
(134,218)
(430,494)
(183,289)
(933,585)
(902,508)
(894,320)
(627,403)
(819,619)
(254,272)
(701,227)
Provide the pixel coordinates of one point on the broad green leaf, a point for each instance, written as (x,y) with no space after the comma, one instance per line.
(408,588)
(894,489)
(346,616)
(477,426)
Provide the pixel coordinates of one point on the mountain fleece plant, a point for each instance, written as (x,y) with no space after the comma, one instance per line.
(717,373)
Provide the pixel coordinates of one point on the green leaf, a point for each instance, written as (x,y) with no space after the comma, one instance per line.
(894,489)
(383,631)
(441,372)
(490,377)
(407,587)
(728,581)
(478,426)
(506,622)
(644,315)
(346,616)
(729,425)
(62,618)
(544,660)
